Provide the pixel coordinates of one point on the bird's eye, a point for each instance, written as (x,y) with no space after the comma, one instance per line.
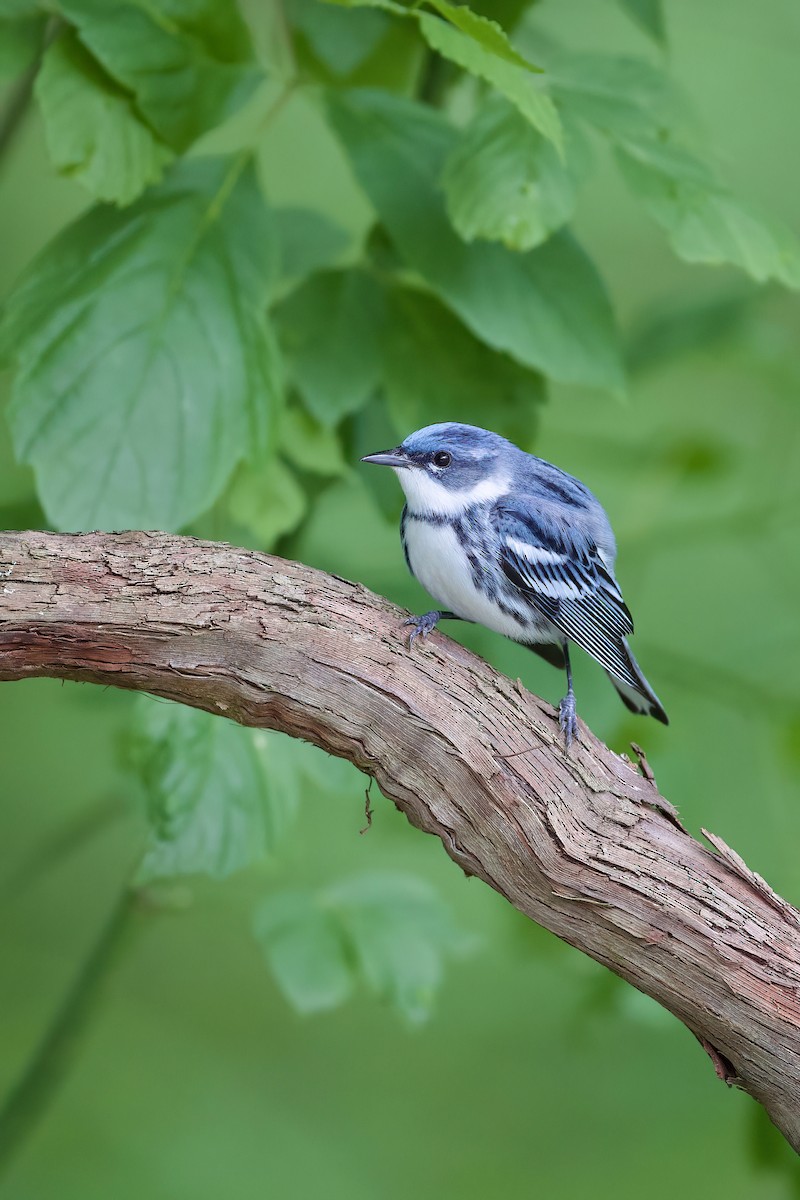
(442,459)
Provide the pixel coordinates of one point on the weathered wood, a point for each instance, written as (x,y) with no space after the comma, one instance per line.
(582,844)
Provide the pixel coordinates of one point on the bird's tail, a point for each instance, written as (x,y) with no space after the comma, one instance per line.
(640,699)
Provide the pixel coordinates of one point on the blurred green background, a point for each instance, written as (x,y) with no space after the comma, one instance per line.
(538,1074)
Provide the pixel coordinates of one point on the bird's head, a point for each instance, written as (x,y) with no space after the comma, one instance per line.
(443,469)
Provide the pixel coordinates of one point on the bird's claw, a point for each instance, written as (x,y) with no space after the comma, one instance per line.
(422,625)
(568,720)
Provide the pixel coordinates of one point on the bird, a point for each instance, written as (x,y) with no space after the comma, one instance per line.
(509,541)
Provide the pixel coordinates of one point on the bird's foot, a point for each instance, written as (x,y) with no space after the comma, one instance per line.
(422,625)
(567,719)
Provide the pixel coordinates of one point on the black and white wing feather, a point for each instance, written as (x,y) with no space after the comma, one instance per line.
(562,573)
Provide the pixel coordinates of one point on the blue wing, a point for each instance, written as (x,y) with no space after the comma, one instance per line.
(562,573)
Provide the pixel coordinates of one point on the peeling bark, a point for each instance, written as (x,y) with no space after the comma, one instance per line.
(584,844)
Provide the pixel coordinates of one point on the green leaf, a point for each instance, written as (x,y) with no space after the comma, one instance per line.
(481,47)
(635,105)
(705,223)
(147,369)
(218,796)
(21,37)
(390,932)
(310,445)
(330,328)
(513,81)
(507,13)
(649,16)
(434,368)
(340,40)
(400,934)
(93,130)
(388,6)
(486,32)
(306,952)
(187,63)
(308,242)
(505,182)
(481,29)
(546,308)
(623,97)
(267,500)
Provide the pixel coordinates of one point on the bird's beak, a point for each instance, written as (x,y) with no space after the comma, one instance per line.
(389,458)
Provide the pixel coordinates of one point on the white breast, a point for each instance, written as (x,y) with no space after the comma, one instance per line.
(440,564)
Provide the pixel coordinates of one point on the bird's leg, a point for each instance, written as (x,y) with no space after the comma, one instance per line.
(427,623)
(567,719)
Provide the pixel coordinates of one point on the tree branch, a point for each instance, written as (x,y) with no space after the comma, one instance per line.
(582,844)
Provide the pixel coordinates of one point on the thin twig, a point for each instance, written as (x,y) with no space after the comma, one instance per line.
(657,801)
(45,1070)
(19,100)
(644,765)
(367,806)
(723,1068)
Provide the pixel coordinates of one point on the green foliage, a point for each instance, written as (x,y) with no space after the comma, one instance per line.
(218,797)
(305,951)
(432,361)
(485,32)
(481,30)
(621,97)
(481,48)
(147,369)
(310,445)
(330,332)
(640,112)
(546,308)
(704,221)
(503,181)
(307,242)
(187,64)
(389,932)
(94,132)
(341,41)
(511,80)
(269,503)
(316,227)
